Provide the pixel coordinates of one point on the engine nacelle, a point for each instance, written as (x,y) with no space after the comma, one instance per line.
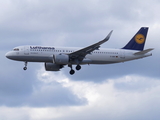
(61,59)
(52,67)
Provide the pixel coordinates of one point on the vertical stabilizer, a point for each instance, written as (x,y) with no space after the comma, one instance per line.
(138,40)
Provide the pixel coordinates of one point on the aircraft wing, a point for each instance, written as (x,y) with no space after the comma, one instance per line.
(80,54)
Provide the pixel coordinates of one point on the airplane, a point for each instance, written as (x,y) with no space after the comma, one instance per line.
(55,58)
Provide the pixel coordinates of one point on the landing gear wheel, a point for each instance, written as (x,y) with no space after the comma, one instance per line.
(78,67)
(25,63)
(25,68)
(72,72)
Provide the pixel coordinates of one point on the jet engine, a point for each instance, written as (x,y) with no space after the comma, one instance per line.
(52,67)
(61,59)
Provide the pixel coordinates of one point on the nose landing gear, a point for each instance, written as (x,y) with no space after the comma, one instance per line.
(25,68)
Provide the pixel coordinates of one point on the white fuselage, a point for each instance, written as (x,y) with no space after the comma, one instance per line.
(55,58)
(45,54)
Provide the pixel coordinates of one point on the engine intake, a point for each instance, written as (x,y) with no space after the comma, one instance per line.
(52,67)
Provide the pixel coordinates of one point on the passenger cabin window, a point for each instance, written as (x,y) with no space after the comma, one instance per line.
(16,49)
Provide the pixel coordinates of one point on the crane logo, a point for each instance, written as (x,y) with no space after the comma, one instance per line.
(139,38)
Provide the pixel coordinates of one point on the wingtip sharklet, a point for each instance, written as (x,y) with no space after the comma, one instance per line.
(108,36)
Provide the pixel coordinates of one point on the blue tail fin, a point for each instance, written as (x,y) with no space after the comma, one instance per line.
(138,41)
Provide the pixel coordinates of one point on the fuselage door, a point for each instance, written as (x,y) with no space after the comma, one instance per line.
(122,54)
(26,50)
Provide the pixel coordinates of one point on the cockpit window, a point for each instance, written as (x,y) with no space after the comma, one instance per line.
(16,49)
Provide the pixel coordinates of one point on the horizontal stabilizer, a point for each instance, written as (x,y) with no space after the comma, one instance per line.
(143,52)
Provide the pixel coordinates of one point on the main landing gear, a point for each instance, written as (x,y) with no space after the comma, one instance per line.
(25,68)
(78,67)
(72,72)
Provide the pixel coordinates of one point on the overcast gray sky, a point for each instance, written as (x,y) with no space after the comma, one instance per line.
(125,91)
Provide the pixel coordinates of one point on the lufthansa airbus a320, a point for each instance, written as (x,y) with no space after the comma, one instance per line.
(55,58)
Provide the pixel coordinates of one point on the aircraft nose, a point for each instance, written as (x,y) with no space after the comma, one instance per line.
(8,55)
